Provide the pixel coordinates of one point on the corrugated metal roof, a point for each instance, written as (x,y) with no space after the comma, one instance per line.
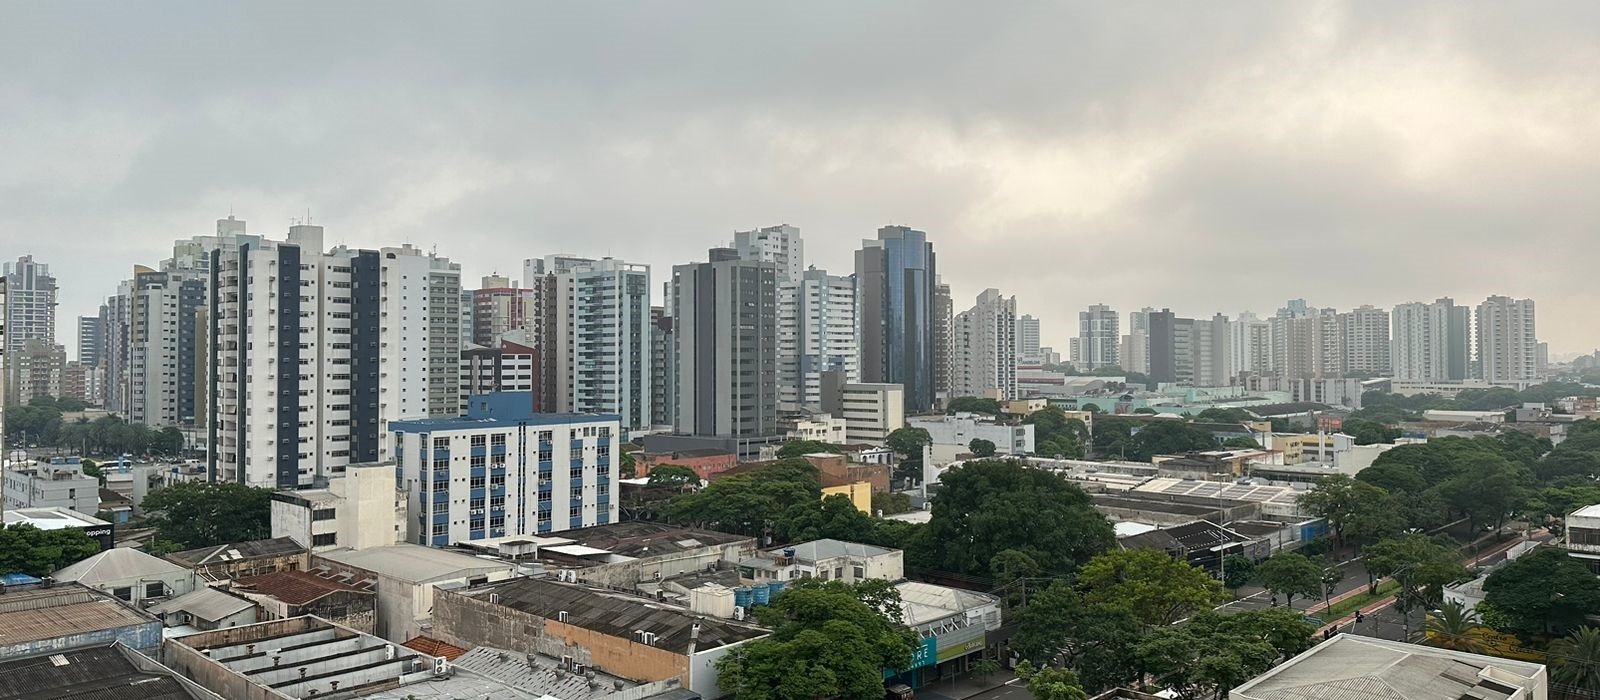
(119,564)
(414,563)
(95,673)
(207,604)
(47,613)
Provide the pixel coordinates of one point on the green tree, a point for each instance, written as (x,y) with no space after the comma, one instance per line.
(1213,653)
(1343,500)
(1487,490)
(1567,462)
(1417,563)
(1367,432)
(908,444)
(835,517)
(1155,588)
(829,640)
(94,470)
(29,550)
(1241,443)
(1575,661)
(987,506)
(1394,477)
(628,467)
(1225,415)
(891,503)
(972,404)
(981,447)
(1166,437)
(1290,574)
(1056,435)
(1051,683)
(1455,627)
(1238,571)
(1542,590)
(203,514)
(748,504)
(1045,625)
(672,475)
(799,448)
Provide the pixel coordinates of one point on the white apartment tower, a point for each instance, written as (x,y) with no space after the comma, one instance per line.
(598,329)
(1250,343)
(1028,341)
(779,245)
(1098,338)
(315,353)
(986,348)
(816,334)
(29,318)
(1508,349)
(1367,347)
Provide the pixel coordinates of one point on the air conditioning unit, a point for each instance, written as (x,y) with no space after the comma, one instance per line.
(738,612)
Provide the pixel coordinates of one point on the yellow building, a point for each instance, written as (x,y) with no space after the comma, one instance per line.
(860,494)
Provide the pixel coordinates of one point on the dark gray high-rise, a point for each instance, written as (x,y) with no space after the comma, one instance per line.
(725,323)
(896,279)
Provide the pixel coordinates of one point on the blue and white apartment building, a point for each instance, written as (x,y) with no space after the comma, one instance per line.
(503,470)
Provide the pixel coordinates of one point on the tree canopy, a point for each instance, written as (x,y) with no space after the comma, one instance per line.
(1540,590)
(29,550)
(1056,435)
(1213,653)
(1153,587)
(1290,574)
(748,504)
(829,639)
(972,404)
(672,475)
(985,507)
(981,447)
(1418,563)
(203,514)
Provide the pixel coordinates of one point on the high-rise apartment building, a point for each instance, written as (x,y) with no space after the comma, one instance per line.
(663,366)
(986,348)
(1431,341)
(506,366)
(29,315)
(1307,343)
(725,319)
(499,307)
(1190,351)
(1367,347)
(501,470)
(944,338)
(1250,345)
(162,366)
(780,245)
(597,319)
(896,276)
(315,353)
(816,334)
(1508,347)
(1098,338)
(89,340)
(1028,341)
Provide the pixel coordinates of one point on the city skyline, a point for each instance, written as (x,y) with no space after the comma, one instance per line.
(1042,155)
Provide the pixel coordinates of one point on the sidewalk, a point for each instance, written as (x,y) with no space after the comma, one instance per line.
(963,687)
(1386,601)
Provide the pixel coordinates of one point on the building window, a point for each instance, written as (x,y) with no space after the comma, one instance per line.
(322,514)
(480,440)
(124,593)
(325,540)
(1583,536)
(859,572)
(440,443)
(155,590)
(477,482)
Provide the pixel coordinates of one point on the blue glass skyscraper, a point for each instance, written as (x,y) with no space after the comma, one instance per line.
(895,281)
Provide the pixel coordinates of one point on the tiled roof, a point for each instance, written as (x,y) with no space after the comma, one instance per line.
(434,647)
(294,587)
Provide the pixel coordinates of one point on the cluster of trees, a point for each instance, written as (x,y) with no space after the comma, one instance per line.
(41,423)
(829,640)
(1112,623)
(29,550)
(907,444)
(1140,440)
(1386,408)
(205,514)
(972,404)
(1056,435)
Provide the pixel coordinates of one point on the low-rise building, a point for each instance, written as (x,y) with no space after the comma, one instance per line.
(61,519)
(619,634)
(620,556)
(241,559)
(953,435)
(44,620)
(953,625)
(870,410)
(1445,416)
(1201,544)
(281,595)
(1355,666)
(826,560)
(705,462)
(205,609)
(406,576)
(57,483)
(130,575)
(358,510)
(1583,536)
(821,427)
(103,672)
(503,470)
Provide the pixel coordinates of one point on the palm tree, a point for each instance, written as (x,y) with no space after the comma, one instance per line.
(1455,627)
(1575,660)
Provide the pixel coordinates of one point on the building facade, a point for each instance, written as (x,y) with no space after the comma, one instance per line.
(598,326)
(816,334)
(986,348)
(500,471)
(726,321)
(1508,345)
(315,353)
(29,318)
(896,278)
(870,411)
(1098,338)
(1367,345)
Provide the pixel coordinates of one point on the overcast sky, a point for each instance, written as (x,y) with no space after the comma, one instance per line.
(1203,156)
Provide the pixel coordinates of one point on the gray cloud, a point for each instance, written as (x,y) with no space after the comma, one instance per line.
(1209,158)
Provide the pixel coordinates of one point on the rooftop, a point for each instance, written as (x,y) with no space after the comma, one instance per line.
(303,657)
(1362,667)
(1221,490)
(254,549)
(1289,409)
(207,604)
(59,611)
(414,563)
(639,539)
(691,453)
(295,587)
(438,425)
(111,672)
(817,550)
(50,518)
(434,647)
(922,603)
(614,614)
(118,564)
